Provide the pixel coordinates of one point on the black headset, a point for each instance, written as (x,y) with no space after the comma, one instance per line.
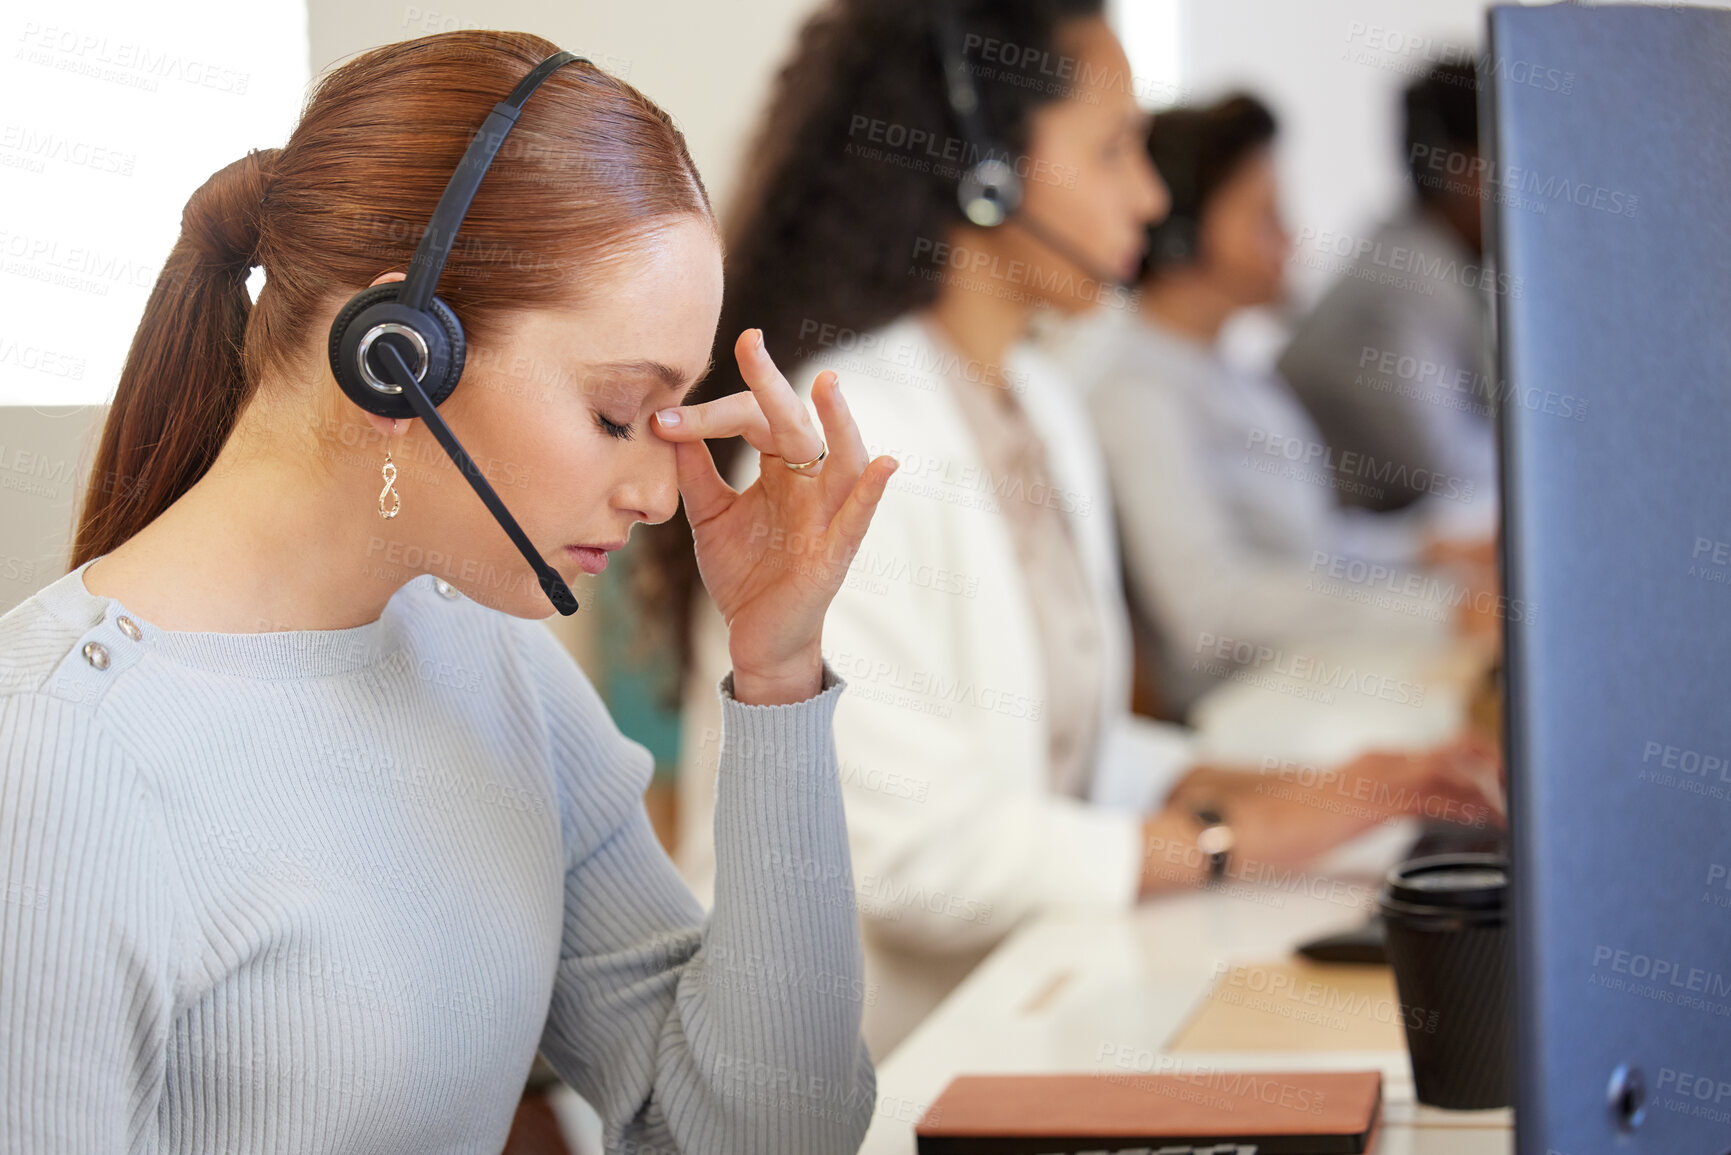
(385,329)
(1177,239)
(989,191)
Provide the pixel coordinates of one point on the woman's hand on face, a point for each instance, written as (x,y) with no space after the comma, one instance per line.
(774,556)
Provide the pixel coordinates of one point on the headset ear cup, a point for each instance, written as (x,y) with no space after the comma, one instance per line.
(437,326)
(1174,241)
(348,375)
(989,192)
(456,351)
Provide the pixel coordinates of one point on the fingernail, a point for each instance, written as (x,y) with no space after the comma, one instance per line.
(668,417)
(757,337)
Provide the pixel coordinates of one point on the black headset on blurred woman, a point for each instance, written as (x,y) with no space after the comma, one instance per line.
(990,190)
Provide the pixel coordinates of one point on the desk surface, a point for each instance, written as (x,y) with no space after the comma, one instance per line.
(1099,992)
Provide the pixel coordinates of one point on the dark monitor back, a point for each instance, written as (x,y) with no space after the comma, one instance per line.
(1610,138)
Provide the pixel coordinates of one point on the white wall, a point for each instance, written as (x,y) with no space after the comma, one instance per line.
(114,112)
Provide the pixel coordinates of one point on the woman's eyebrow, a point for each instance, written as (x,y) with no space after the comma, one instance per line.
(667,375)
(685,395)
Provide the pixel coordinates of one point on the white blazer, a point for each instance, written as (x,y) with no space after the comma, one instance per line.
(942,732)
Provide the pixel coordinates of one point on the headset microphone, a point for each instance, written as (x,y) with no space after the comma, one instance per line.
(1031,225)
(397,350)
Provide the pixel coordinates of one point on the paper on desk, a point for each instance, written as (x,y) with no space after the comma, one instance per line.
(1292,1004)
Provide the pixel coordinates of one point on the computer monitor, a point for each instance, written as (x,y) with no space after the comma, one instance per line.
(1608,134)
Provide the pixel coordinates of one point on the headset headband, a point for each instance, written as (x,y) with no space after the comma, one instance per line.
(963,95)
(441,235)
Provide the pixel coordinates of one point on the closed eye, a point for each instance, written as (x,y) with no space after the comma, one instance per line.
(622,432)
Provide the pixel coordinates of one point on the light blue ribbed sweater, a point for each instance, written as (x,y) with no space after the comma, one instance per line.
(329,891)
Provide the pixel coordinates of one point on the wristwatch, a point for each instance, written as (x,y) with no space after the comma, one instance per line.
(1214,839)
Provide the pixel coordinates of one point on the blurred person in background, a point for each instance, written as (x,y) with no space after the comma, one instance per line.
(991,765)
(1228,510)
(1396,361)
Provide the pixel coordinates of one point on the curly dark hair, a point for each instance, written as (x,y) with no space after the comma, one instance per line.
(855,162)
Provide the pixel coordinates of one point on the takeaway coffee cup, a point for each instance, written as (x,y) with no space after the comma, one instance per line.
(1448,941)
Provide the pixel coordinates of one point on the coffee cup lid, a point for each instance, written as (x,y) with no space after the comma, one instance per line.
(1448,883)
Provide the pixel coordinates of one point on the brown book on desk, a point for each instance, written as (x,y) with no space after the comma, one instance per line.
(1202,1111)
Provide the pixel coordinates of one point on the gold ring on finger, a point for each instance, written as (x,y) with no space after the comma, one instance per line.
(803,466)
